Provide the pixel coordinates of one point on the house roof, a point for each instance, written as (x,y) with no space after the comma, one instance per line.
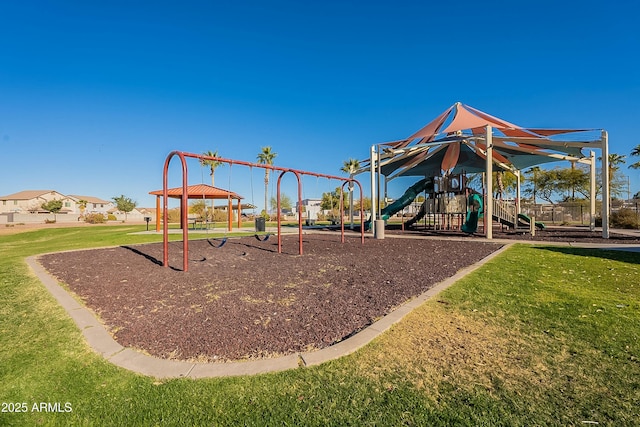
(200,191)
(455,142)
(28,194)
(89,199)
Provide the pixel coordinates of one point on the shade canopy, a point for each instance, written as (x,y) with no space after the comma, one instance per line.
(200,191)
(455,142)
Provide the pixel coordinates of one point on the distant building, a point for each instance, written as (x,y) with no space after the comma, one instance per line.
(26,206)
(310,209)
(92,204)
(30,201)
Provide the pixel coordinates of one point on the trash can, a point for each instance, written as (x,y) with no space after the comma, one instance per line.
(260,224)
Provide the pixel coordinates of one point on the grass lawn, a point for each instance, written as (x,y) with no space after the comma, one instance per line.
(538,336)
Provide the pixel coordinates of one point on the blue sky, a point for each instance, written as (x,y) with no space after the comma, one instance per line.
(95,95)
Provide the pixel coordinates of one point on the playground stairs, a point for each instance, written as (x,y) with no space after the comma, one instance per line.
(505,213)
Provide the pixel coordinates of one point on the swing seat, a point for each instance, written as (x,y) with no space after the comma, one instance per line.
(263,238)
(218,245)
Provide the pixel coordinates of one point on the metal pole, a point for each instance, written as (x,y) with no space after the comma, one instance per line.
(488,210)
(184,198)
(378,182)
(606,195)
(351,202)
(372,169)
(592,192)
(518,193)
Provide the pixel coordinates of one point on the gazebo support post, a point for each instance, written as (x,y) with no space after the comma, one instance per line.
(488,209)
(158,213)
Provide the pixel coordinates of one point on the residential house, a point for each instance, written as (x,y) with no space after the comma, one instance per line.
(310,209)
(30,201)
(91,204)
(26,207)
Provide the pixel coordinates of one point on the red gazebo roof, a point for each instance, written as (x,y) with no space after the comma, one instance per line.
(200,191)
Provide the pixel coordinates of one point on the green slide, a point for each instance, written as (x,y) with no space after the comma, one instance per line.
(527,221)
(471,223)
(408,197)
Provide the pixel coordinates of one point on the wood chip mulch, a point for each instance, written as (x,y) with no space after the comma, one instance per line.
(245,301)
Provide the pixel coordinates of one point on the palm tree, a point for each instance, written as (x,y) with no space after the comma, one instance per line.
(265,157)
(82,204)
(635,152)
(350,166)
(615,160)
(212,164)
(616,182)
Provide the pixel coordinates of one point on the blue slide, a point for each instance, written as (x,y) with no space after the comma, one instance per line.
(404,201)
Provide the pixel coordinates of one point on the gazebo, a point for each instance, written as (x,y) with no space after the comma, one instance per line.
(464,139)
(202,191)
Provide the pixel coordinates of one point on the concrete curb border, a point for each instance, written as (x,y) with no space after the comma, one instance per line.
(102,342)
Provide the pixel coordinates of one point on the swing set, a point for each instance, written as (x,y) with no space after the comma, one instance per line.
(184,201)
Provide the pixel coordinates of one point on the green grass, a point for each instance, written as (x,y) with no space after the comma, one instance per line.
(538,336)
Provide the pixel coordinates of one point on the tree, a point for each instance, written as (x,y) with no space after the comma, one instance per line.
(615,160)
(124,204)
(285,202)
(331,201)
(82,204)
(52,206)
(350,166)
(617,182)
(508,180)
(366,204)
(572,180)
(635,153)
(532,182)
(199,208)
(266,157)
(547,184)
(213,165)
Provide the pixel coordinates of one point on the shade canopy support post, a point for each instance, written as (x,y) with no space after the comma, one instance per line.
(606,192)
(372,167)
(488,209)
(592,192)
(518,175)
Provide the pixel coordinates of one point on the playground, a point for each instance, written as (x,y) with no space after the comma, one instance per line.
(221,299)
(245,300)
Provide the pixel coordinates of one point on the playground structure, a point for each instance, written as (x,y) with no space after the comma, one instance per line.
(446,207)
(184,200)
(464,139)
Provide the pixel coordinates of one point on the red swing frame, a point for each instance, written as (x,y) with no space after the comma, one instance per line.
(184,201)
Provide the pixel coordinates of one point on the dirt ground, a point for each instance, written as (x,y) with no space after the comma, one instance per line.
(245,301)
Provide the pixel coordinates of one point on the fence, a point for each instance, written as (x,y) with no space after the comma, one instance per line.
(574,213)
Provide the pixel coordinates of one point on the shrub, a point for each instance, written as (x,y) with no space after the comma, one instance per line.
(111,217)
(49,221)
(94,218)
(624,218)
(174,215)
(219,216)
